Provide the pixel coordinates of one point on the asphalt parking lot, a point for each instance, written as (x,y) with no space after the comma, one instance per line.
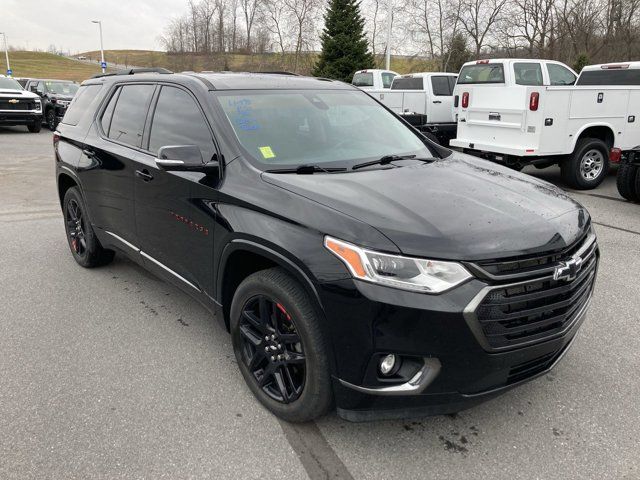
(111,373)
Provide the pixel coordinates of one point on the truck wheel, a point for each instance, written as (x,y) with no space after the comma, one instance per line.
(85,246)
(52,122)
(588,165)
(34,127)
(627,181)
(280,349)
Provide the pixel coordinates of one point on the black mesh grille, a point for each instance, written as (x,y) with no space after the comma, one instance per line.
(537,309)
(22,104)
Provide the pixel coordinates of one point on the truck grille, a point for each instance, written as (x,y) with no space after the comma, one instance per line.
(540,308)
(22,104)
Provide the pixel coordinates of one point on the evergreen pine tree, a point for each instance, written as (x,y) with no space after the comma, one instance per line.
(345,48)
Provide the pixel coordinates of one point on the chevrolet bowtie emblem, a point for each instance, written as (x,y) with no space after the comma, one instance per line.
(14,100)
(568,270)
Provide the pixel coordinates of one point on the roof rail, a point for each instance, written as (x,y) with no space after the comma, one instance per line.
(279,73)
(133,71)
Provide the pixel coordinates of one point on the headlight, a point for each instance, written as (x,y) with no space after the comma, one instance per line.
(38,104)
(416,274)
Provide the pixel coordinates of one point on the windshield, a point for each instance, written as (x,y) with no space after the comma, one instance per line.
(9,84)
(286,128)
(62,88)
(481,73)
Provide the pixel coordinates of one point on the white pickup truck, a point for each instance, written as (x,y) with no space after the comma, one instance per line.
(425,100)
(373,79)
(521,112)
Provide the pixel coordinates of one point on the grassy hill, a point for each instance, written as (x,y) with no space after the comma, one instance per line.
(48,65)
(40,64)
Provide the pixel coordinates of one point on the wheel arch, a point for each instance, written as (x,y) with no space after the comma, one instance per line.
(242,257)
(601,131)
(65,182)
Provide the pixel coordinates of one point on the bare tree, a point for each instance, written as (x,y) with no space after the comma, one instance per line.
(249,9)
(478,17)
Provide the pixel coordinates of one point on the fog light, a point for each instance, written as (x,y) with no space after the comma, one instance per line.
(389,364)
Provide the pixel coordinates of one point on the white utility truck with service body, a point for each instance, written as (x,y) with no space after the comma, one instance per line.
(425,100)
(521,112)
(373,79)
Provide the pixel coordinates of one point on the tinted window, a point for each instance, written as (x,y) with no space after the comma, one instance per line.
(441,86)
(9,84)
(80,103)
(559,75)
(528,73)
(129,114)
(178,121)
(452,81)
(481,73)
(387,78)
(108,112)
(609,77)
(407,83)
(362,79)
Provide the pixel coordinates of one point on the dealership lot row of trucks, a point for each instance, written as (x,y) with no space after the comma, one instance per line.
(529,112)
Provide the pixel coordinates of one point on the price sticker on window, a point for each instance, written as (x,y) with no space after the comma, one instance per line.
(267,152)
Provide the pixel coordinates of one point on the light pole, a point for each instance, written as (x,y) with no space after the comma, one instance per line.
(102,64)
(6,53)
(389,20)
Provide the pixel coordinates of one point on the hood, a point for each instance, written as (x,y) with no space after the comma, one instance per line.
(15,93)
(459,208)
(66,98)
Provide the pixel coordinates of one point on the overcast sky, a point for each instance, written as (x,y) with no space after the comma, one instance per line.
(131,24)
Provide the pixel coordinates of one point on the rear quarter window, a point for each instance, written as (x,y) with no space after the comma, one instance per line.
(481,73)
(441,86)
(408,83)
(80,104)
(363,79)
(609,77)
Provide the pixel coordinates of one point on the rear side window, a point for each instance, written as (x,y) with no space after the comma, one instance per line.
(408,83)
(86,94)
(363,79)
(387,78)
(559,75)
(481,73)
(609,77)
(441,86)
(177,120)
(528,73)
(129,114)
(452,81)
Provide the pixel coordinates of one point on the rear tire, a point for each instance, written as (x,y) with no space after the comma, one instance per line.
(588,165)
(35,127)
(83,243)
(272,302)
(627,181)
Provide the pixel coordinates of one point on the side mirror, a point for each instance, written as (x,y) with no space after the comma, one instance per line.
(182,157)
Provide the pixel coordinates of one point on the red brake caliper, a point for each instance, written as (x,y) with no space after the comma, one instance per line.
(281,308)
(74,244)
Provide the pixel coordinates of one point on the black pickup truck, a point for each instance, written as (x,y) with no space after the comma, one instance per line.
(56,96)
(628,177)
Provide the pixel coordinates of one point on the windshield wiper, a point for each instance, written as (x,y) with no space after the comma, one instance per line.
(308,169)
(387,159)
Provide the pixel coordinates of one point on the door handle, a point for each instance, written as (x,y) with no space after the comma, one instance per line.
(89,153)
(437,101)
(144,175)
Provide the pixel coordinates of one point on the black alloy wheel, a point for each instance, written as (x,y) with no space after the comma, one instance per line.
(75,228)
(51,120)
(272,349)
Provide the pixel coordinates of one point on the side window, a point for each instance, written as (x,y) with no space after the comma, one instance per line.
(452,82)
(387,78)
(178,120)
(129,114)
(559,75)
(108,112)
(441,86)
(528,73)
(80,103)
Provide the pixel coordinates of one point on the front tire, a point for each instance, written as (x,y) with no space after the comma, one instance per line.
(588,165)
(627,181)
(35,127)
(52,121)
(279,345)
(85,246)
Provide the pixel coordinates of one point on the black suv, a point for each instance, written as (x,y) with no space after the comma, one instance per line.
(56,96)
(354,262)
